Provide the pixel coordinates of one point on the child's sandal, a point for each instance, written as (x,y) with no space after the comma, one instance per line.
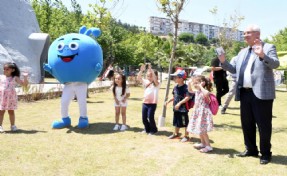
(206,149)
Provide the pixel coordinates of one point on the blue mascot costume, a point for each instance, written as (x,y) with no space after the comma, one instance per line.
(75,60)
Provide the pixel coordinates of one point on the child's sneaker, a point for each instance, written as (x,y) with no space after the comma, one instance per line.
(173,136)
(117,127)
(123,128)
(143,132)
(184,139)
(1,129)
(206,149)
(14,128)
(198,145)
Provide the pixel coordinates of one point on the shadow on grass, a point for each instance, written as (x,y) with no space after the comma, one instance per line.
(95,101)
(164,133)
(101,128)
(225,151)
(20,131)
(171,87)
(95,128)
(107,128)
(279,130)
(231,153)
(227,126)
(135,99)
(279,159)
(135,129)
(159,133)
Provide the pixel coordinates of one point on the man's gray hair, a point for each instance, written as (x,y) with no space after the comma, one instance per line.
(254,27)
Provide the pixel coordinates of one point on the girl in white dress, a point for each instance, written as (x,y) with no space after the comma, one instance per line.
(121,93)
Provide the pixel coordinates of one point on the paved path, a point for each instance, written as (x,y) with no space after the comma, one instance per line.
(57,87)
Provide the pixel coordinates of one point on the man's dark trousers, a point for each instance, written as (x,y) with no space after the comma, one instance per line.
(254,112)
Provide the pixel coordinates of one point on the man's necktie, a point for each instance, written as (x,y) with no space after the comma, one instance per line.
(242,69)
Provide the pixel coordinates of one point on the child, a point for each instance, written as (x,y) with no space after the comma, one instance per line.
(121,93)
(201,118)
(180,97)
(151,86)
(8,96)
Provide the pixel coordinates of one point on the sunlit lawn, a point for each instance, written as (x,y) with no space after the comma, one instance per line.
(36,149)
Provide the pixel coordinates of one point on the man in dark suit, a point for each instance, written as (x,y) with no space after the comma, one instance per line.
(255,91)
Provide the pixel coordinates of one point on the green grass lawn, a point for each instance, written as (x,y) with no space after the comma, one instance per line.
(37,149)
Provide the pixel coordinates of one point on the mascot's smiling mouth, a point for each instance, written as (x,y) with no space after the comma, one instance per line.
(67,58)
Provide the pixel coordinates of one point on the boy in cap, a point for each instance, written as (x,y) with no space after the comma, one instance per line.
(180,97)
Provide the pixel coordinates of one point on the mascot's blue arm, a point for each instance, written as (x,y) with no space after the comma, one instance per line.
(47,68)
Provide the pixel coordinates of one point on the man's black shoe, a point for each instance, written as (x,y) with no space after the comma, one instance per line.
(265,159)
(247,153)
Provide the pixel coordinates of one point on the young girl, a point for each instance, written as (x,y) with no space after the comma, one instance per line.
(151,86)
(201,118)
(8,96)
(121,93)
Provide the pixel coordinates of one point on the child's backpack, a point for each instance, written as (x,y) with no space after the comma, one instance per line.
(190,103)
(213,105)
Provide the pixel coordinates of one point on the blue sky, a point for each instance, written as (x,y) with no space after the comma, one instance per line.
(271,16)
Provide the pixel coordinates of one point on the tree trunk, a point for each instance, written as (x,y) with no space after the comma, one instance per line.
(170,66)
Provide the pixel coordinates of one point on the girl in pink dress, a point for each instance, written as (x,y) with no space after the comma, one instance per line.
(201,118)
(8,95)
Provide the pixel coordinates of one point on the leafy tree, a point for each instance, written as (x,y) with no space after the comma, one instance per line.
(53,16)
(76,16)
(100,16)
(280,40)
(131,28)
(186,38)
(201,39)
(194,55)
(214,41)
(172,8)
(145,46)
(43,11)
(228,29)
(234,50)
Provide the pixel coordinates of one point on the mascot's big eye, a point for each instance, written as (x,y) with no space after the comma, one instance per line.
(73,46)
(61,46)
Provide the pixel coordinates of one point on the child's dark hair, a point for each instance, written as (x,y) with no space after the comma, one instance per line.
(110,74)
(124,84)
(208,84)
(12,65)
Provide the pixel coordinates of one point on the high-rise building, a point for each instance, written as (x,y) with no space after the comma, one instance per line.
(164,26)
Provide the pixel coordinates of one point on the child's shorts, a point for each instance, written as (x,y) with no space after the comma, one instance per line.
(180,119)
(121,104)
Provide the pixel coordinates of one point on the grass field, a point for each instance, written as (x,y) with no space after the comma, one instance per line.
(36,149)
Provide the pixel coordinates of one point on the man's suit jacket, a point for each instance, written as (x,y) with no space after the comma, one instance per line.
(261,72)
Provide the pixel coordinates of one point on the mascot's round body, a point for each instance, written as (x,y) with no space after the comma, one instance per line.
(75,60)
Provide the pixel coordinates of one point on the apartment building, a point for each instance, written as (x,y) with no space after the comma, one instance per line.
(164,26)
